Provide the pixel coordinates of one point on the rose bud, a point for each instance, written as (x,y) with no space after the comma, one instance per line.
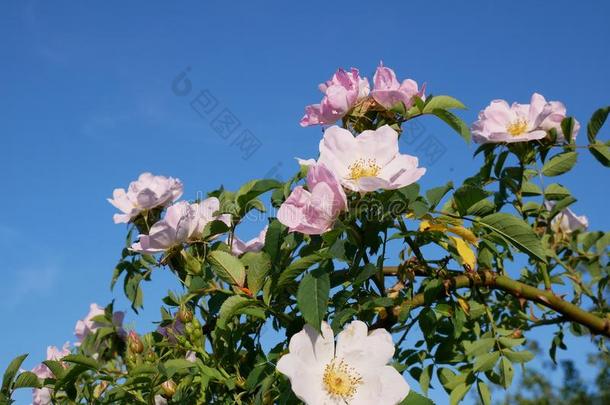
(134,342)
(169,388)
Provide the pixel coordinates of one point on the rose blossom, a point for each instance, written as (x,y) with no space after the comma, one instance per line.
(557,113)
(147,192)
(87,325)
(182,222)
(314,211)
(567,221)
(355,372)
(388,92)
(500,122)
(42,396)
(340,94)
(369,161)
(240,247)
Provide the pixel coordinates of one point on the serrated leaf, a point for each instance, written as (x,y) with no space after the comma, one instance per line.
(297,267)
(253,189)
(518,357)
(486,361)
(27,379)
(506,372)
(517,232)
(82,360)
(601,152)
(228,267)
(596,122)
(416,399)
(454,122)
(458,393)
(233,306)
(258,265)
(443,103)
(559,164)
(435,195)
(479,346)
(484,393)
(173,366)
(556,192)
(312,297)
(11,371)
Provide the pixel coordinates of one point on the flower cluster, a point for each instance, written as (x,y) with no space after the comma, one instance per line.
(346,89)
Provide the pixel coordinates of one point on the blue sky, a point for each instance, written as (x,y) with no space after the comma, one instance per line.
(87,104)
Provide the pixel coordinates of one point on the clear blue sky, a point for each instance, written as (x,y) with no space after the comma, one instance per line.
(86,105)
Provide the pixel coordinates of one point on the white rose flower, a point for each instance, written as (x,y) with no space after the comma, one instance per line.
(354,373)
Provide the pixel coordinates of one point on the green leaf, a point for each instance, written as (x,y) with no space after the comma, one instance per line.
(365,273)
(297,267)
(530,189)
(458,393)
(27,379)
(443,103)
(559,164)
(484,393)
(312,297)
(519,357)
(567,127)
(233,306)
(601,152)
(516,231)
(486,361)
(11,371)
(435,195)
(257,266)
(173,366)
(273,239)
(556,192)
(454,122)
(506,372)
(467,196)
(253,189)
(82,360)
(228,267)
(479,346)
(416,399)
(596,122)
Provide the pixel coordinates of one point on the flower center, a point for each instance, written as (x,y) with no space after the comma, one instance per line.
(517,127)
(340,380)
(363,168)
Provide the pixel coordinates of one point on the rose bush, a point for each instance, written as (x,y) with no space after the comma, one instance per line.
(448,306)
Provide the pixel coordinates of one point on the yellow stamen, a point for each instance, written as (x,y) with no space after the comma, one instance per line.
(517,127)
(363,168)
(340,380)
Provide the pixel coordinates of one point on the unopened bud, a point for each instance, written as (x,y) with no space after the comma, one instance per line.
(135,343)
(517,333)
(185,315)
(382,312)
(169,388)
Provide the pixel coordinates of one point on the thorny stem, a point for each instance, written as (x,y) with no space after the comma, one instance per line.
(489,279)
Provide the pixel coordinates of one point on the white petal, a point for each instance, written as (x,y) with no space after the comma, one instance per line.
(337,150)
(382,385)
(380,144)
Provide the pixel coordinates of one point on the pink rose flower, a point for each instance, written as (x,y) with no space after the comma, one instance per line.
(42,396)
(315,210)
(388,91)
(240,247)
(369,161)
(87,325)
(567,221)
(557,113)
(341,93)
(500,122)
(183,222)
(146,193)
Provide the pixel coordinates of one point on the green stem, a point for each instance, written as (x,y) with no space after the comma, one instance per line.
(571,312)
